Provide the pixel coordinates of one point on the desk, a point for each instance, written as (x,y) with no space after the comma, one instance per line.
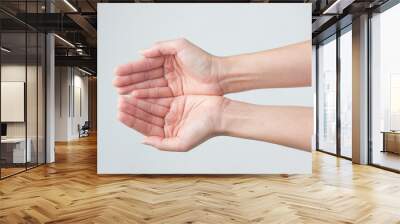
(391,141)
(13,150)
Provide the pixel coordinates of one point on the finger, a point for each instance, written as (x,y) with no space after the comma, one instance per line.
(158,92)
(148,107)
(166,102)
(169,47)
(166,144)
(141,65)
(160,82)
(138,77)
(140,125)
(140,114)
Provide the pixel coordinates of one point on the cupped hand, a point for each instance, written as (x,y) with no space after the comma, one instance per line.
(173,124)
(170,68)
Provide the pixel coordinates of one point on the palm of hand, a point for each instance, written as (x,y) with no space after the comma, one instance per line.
(175,95)
(191,72)
(173,124)
(183,70)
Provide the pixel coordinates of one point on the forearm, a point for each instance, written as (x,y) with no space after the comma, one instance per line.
(288,66)
(284,125)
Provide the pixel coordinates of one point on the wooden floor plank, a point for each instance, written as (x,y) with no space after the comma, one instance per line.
(70,191)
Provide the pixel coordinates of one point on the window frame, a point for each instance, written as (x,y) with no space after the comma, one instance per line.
(334,37)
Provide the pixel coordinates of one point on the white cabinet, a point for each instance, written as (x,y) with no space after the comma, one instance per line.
(17,146)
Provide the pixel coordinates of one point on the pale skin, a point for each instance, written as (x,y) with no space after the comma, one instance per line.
(174,95)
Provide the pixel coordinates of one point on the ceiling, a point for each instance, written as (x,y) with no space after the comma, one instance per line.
(76,21)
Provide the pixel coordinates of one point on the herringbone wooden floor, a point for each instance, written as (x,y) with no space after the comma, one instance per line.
(70,191)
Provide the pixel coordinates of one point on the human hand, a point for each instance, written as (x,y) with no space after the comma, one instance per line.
(170,68)
(175,123)
(175,95)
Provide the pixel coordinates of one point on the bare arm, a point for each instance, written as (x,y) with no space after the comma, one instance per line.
(193,71)
(192,120)
(288,66)
(285,125)
(199,80)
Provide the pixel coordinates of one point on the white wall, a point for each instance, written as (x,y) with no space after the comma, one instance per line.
(16,72)
(80,84)
(61,103)
(68,81)
(33,127)
(221,29)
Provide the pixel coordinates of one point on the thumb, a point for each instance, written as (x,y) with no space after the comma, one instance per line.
(151,140)
(165,144)
(162,48)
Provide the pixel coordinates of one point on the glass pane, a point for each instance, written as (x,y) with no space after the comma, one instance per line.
(386,89)
(13,89)
(31,100)
(346,94)
(327,96)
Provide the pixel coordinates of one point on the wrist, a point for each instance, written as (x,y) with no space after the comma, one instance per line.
(221,121)
(221,67)
(234,74)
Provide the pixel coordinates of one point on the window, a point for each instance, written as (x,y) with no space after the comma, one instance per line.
(346,92)
(327,96)
(22,91)
(385,89)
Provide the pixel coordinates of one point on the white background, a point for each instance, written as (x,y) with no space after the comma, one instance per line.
(221,29)
(12,100)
